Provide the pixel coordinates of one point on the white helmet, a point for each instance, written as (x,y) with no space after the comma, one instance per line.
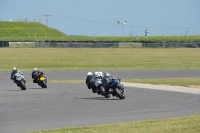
(14,68)
(89,73)
(34,69)
(98,75)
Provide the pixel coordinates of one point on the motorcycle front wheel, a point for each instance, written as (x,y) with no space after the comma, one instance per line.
(102,90)
(23,86)
(44,84)
(119,93)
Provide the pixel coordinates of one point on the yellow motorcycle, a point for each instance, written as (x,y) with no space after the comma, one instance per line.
(42,80)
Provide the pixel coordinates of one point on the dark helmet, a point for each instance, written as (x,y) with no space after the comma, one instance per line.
(106,74)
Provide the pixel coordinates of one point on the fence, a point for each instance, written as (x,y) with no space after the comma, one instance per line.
(98,44)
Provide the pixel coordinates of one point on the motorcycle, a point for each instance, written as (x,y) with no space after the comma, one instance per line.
(20,81)
(116,88)
(97,87)
(42,80)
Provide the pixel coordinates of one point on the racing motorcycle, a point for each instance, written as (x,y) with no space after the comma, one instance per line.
(20,81)
(116,88)
(97,87)
(42,80)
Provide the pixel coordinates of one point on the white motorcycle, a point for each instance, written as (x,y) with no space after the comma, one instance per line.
(20,81)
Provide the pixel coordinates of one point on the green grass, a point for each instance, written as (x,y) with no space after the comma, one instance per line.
(187,82)
(190,124)
(34,31)
(99,58)
(28,31)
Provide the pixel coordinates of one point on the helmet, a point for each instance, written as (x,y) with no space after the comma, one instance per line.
(106,74)
(14,68)
(98,75)
(89,73)
(34,69)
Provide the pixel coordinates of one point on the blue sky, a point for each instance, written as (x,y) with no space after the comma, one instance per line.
(99,17)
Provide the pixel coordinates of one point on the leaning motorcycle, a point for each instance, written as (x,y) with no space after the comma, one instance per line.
(42,80)
(97,87)
(116,88)
(20,81)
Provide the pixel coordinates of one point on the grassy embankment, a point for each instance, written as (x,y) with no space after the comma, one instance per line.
(30,31)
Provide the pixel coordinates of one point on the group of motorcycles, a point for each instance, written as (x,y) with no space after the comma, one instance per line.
(21,82)
(99,84)
(113,87)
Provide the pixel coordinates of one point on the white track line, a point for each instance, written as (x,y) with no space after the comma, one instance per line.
(164,87)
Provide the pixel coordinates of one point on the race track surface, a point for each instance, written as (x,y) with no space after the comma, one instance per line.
(69,105)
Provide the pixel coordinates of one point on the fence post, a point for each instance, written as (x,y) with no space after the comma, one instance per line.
(163,36)
(186,34)
(94,37)
(35,35)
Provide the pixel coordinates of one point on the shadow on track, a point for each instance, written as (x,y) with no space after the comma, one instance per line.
(97,98)
(36,88)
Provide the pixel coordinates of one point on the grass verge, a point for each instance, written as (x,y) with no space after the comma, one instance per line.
(187,82)
(190,124)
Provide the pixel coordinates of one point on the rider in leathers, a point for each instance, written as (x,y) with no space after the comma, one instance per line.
(14,71)
(35,75)
(106,80)
(88,79)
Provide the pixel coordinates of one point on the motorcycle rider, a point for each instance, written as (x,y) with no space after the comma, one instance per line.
(14,71)
(95,77)
(35,75)
(88,79)
(106,80)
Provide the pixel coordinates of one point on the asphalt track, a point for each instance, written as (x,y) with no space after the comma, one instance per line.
(70,105)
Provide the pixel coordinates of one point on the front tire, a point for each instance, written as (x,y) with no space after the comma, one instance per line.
(119,93)
(23,86)
(102,90)
(44,84)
